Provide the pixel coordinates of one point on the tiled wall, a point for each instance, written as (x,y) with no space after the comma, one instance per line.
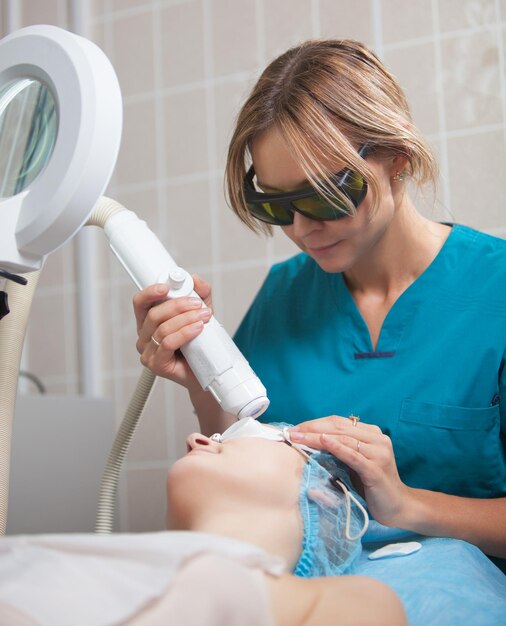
(184,67)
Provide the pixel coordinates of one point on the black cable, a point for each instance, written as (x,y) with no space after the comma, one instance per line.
(21,280)
(35,380)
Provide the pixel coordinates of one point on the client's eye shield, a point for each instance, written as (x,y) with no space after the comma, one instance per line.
(249,427)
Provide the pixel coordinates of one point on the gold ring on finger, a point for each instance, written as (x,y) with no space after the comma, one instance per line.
(355,419)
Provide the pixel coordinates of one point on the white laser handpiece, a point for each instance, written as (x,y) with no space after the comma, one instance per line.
(213,357)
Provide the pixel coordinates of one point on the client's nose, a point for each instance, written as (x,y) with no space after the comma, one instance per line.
(198,440)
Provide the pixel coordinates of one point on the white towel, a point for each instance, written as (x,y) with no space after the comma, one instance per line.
(101,580)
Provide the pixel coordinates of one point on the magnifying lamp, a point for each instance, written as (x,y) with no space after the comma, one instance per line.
(60,131)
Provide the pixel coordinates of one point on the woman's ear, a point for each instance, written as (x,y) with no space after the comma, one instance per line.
(399,163)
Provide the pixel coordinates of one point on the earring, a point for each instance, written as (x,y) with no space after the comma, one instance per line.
(400,176)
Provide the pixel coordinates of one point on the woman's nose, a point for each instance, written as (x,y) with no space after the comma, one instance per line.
(196,440)
(303,226)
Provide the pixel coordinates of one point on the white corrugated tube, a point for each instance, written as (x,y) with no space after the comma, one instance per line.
(12,336)
(104,209)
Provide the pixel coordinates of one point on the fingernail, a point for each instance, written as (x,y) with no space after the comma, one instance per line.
(297,436)
(197,326)
(160,288)
(294,428)
(325,438)
(205,314)
(194,302)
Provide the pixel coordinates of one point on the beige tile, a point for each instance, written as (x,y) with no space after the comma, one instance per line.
(355,22)
(53,272)
(97,34)
(478,185)
(50,330)
(403,21)
(471,81)
(57,388)
(183,421)
(234,36)
(106,335)
(502,11)
(122,5)
(133,54)
(43,12)
(98,7)
(72,365)
(124,329)
(460,14)
(185,118)
(414,69)
(430,201)
(182,43)
(149,442)
(118,330)
(431,204)
(239,289)
(188,218)
(104,257)
(69,255)
(284,29)
(144,203)
(137,156)
(146,499)
(107,386)
(228,100)
(236,241)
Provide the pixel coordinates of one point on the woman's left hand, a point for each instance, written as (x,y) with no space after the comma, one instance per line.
(369,453)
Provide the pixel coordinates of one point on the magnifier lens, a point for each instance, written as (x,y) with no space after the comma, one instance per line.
(28,127)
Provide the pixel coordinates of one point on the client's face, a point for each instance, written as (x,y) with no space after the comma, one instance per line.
(243,474)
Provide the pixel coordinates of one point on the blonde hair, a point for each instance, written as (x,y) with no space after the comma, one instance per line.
(327,97)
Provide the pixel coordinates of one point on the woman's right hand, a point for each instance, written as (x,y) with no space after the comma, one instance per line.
(171,323)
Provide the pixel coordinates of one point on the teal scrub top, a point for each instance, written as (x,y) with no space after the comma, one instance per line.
(436,382)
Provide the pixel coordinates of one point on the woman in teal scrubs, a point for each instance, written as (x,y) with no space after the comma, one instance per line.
(385,315)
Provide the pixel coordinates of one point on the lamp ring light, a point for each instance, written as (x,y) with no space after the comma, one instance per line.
(60,131)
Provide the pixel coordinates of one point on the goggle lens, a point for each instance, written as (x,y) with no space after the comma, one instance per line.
(317,208)
(271,212)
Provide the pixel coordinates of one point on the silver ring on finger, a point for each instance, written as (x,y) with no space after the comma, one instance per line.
(156,343)
(358,445)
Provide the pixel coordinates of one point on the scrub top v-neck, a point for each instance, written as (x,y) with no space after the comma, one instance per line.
(435,383)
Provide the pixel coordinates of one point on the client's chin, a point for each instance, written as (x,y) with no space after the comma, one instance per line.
(183,494)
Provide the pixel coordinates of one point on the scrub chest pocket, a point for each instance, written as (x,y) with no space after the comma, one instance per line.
(456,450)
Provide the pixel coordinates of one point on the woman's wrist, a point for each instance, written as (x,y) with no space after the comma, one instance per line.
(409,511)
(417,513)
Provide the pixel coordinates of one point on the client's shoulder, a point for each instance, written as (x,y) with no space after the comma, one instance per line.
(315,601)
